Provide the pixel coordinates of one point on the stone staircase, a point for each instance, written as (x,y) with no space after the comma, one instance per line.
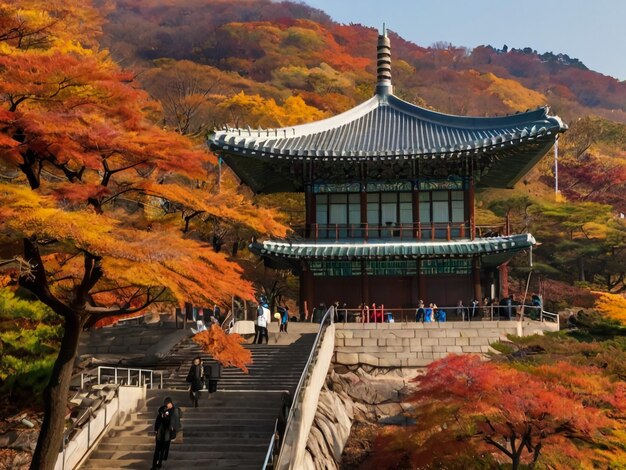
(232,429)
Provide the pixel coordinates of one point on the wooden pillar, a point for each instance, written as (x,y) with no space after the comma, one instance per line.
(307,293)
(503,279)
(416,209)
(421,281)
(471,204)
(365,285)
(363,196)
(415,285)
(476,278)
(309,207)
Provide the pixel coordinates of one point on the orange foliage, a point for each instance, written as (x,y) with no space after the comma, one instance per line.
(226,349)
(467,406)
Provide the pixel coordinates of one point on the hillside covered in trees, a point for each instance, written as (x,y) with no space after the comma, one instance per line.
(264,64)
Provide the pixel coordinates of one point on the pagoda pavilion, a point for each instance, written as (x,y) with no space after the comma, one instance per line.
(389,195)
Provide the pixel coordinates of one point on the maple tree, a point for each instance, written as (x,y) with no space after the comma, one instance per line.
(105,207)
(466,405)
(224,348)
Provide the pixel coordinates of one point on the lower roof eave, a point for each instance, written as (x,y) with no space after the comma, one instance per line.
(493,251)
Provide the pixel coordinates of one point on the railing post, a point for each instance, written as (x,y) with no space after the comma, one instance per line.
(316,231)
(432,230)
(462,231)
(98,375)
(336,232)
(448,231)
(115,375)
(419,230)
(128,382)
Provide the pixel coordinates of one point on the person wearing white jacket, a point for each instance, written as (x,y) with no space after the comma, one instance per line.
(263,322)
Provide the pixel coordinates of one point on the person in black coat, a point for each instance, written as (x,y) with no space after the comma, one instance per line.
(166,426)
(195,377)
(212,375)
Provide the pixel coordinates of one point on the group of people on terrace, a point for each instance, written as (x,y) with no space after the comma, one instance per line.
(508,308)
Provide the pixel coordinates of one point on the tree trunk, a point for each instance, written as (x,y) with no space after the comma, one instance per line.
(581,269)
(55,395)
(515,462)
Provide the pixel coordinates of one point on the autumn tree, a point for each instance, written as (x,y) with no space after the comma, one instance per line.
(466,405)
(95,198)
(226,349)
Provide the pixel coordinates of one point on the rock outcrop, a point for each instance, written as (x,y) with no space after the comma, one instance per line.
(362,394)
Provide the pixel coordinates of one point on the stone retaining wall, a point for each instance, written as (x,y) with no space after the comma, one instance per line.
(419,344)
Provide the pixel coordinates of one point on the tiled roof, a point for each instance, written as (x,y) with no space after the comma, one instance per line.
(388,127)
(393,250)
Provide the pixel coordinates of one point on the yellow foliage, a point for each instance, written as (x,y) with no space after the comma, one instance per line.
(254,110)
(513,94)
(613,306)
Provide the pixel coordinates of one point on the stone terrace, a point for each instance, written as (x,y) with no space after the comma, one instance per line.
(419,344)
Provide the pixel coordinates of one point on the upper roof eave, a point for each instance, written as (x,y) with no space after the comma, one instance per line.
(460,133)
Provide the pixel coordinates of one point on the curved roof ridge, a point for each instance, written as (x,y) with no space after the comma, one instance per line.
(456,120)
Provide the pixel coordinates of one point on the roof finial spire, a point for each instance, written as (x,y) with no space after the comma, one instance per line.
(383,87)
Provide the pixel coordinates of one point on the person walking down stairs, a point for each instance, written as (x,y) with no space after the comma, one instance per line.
(166,426)
(195,377)
(212,374)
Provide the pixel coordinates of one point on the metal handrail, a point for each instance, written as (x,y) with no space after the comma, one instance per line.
(402,314)
(305,372)
(270,448)
(89,411)
(118,373)
(550,317)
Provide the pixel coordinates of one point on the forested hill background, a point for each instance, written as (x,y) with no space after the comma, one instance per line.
(263,63)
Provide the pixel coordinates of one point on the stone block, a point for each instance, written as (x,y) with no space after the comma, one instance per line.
(421,333)
(431,325)
(407,341)
(389,362)
(362,334)
(489,323)
(394,342)
(490,332)
(488,349)
(453,333)
(346,349)
(368,349)
(430,341)
(339,342)
(386,355)
(395,349)
(395,326)
(343,334)
(455,349)
(370,342)
(469,333)
(368,359)
(471,349)
(405,355)
(404,333)
(427,355)
(348,359)
(414,326)
(439,355)
(440,349)
(447,341)
(416,362)
(479,341)
(461,341)
(437,333)
(353,342)
(382,341)
(369,326)
(427,348)
(416,348)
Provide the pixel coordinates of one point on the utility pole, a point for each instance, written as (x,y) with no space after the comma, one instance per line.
(556,167)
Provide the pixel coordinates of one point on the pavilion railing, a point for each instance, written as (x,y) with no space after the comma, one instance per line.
(396,231)
(478,312)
